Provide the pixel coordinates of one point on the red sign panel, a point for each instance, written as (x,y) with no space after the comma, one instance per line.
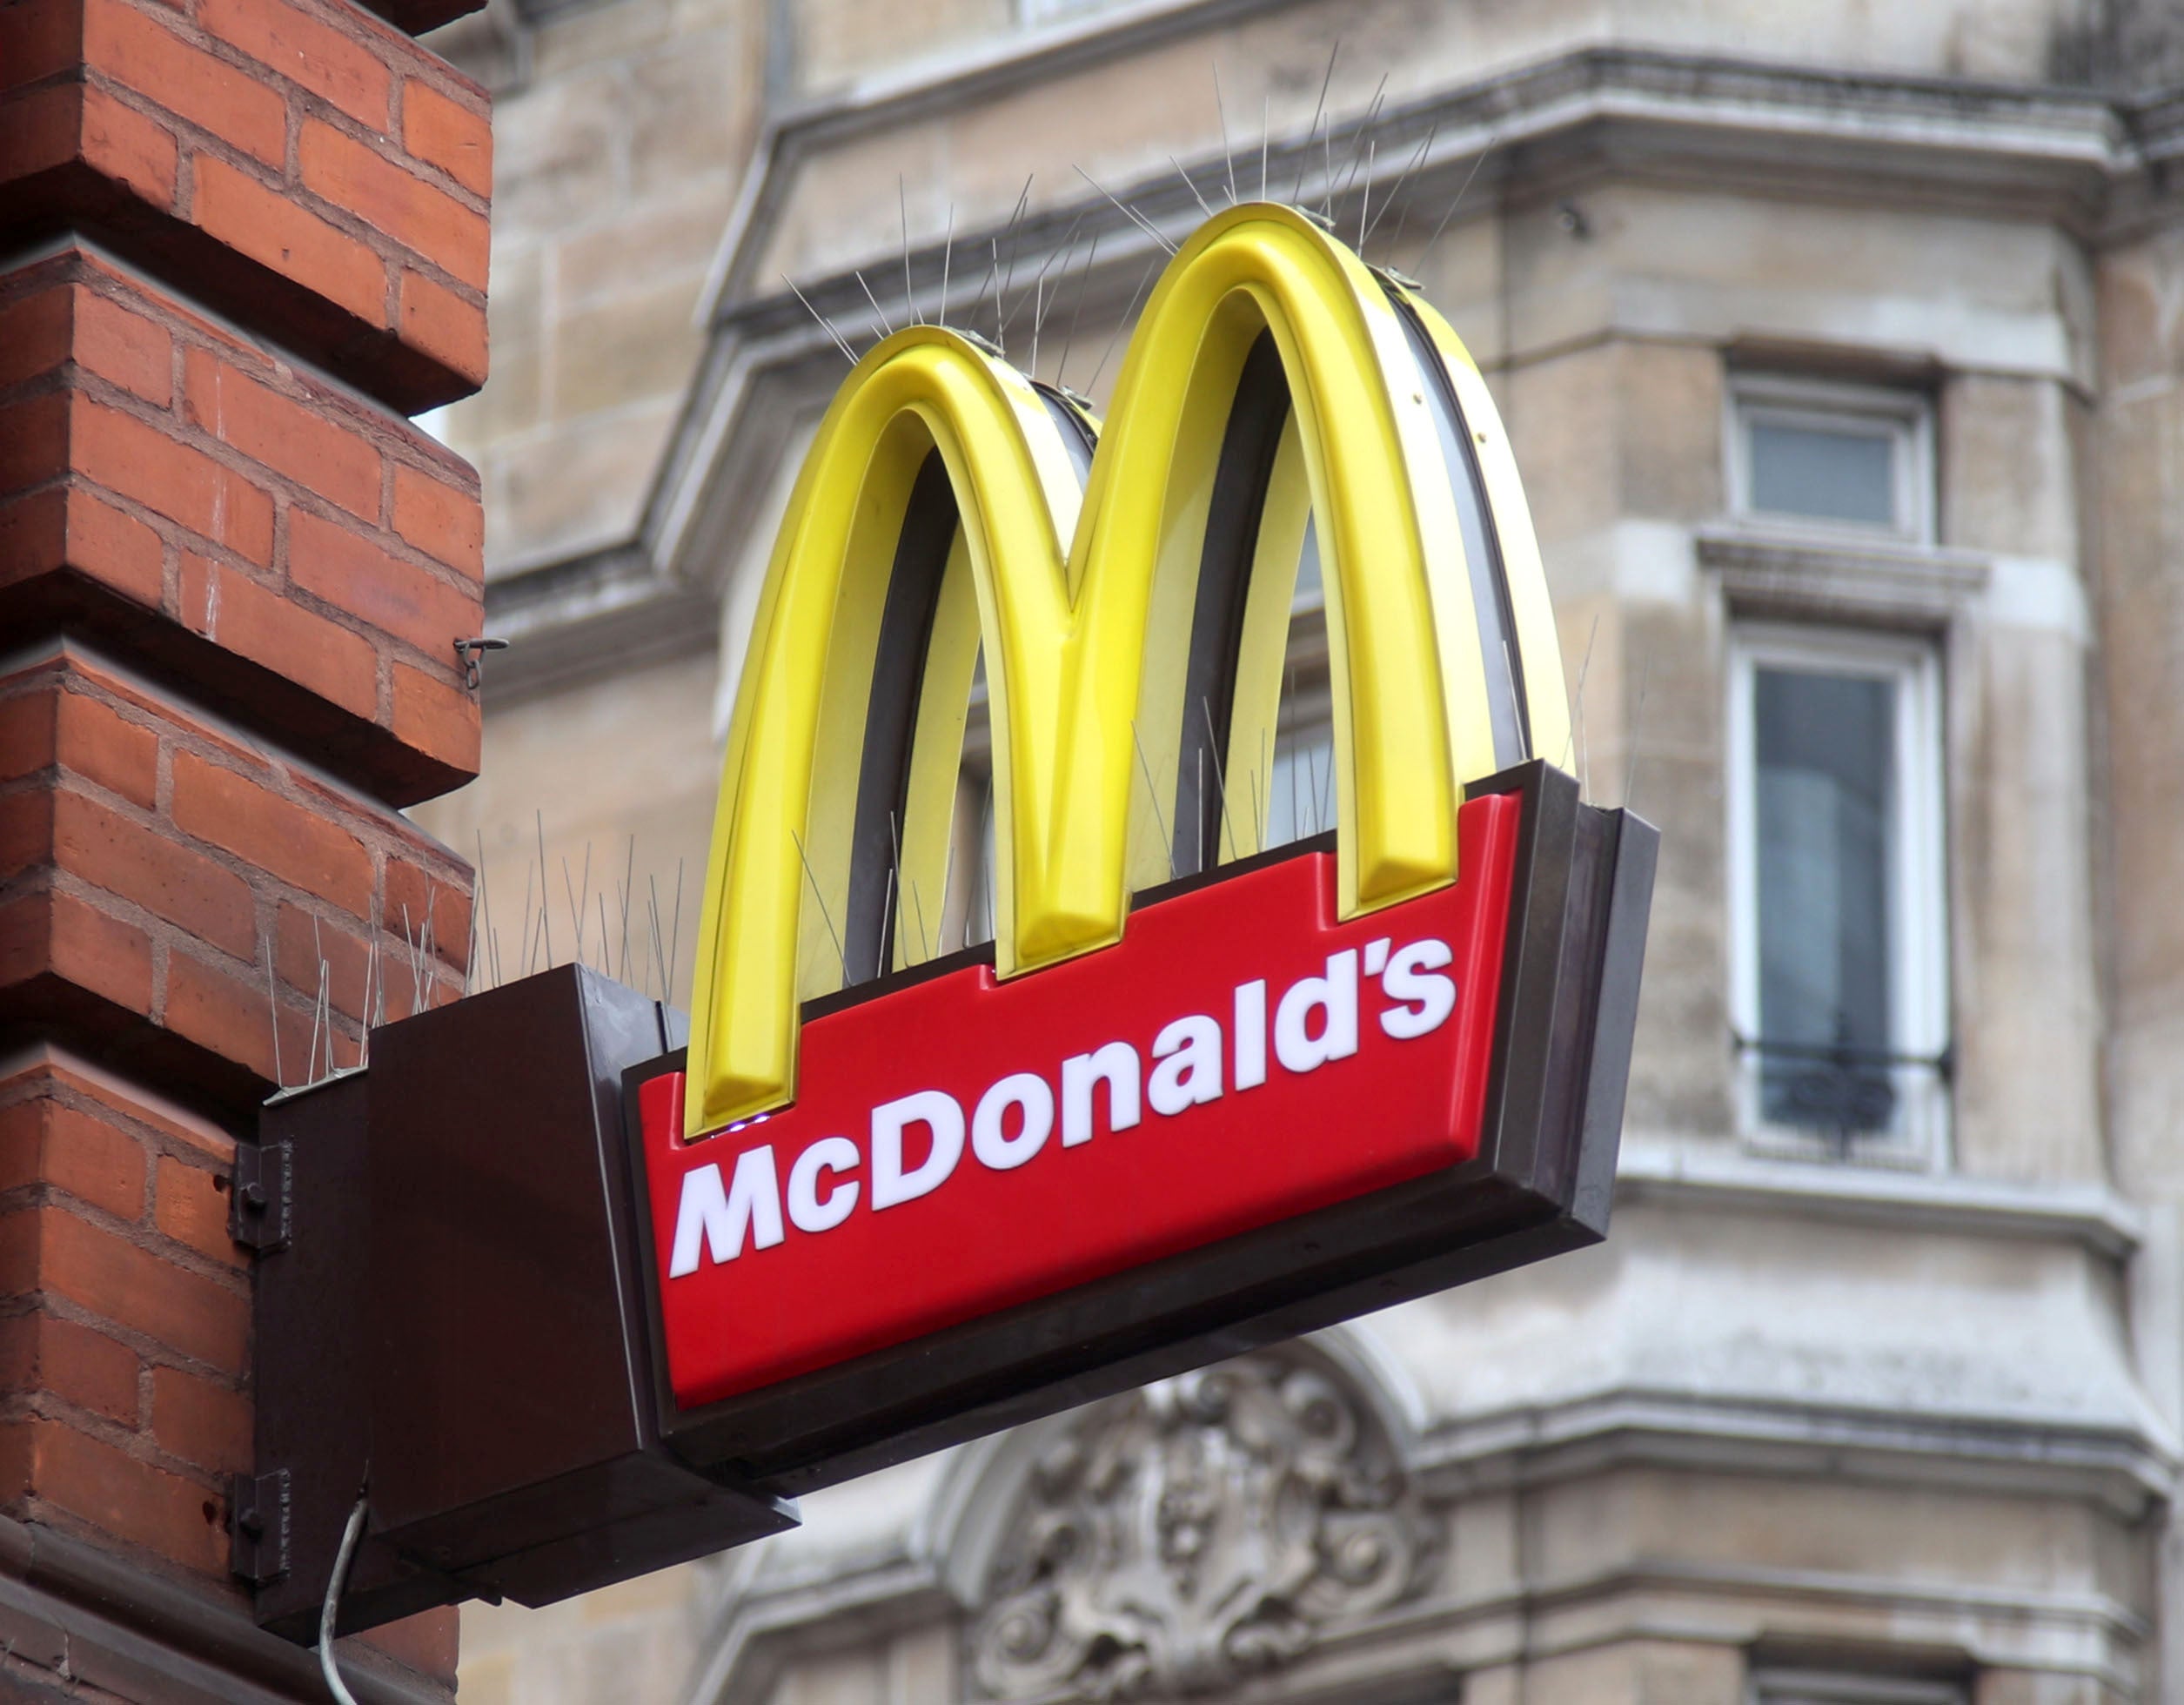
(964,1145)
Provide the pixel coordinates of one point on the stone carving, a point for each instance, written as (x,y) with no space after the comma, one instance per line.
(1194,1532)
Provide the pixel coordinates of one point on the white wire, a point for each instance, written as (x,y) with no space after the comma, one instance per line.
(335,1585)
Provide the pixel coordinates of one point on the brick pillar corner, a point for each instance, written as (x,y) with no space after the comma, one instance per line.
(246,239)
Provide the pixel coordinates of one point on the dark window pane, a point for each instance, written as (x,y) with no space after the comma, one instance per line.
(1826,758)
(1831,475)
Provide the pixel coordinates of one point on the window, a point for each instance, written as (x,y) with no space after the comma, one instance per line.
(1837,896)
(1845,457)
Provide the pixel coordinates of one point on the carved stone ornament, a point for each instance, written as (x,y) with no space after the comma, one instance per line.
(1196,1532)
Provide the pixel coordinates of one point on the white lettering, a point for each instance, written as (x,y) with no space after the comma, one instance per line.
(944,1115)
(1189,1069)
(1251,1035)
(752,1203)
(1336,995)
(990,1140)
(1117,1064)
(1427,997)
(1377,955)
(807,1209)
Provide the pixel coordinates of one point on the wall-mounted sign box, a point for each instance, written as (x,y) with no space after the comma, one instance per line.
(447,1306)
(1414,1099)
(582,1295)
(949,1233)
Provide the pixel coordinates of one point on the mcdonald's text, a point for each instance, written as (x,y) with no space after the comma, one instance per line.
(963,1144)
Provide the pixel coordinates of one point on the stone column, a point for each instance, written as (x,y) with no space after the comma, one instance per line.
(241,241)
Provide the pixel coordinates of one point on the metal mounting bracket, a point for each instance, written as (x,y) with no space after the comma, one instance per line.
(259,1526)
(261,1214)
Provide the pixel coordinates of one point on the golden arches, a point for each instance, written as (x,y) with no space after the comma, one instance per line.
(1086,623)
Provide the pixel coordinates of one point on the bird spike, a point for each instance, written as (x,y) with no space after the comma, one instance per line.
(1304,156)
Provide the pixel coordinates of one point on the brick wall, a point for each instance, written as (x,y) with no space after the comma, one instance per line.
(249,236)
(310,169)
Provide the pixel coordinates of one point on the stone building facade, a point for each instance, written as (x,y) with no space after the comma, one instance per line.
(1843,348)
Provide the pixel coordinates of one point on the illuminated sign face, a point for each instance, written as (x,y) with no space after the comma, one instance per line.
(1164,1115)
(964,1145)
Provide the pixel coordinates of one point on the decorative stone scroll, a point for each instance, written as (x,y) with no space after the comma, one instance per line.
(1199,1531)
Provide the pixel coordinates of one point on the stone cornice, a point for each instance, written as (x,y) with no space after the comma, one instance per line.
(2090,1215)
(2075,155)
(765,1622)
(1963,133)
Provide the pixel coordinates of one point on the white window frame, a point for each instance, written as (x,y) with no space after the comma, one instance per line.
(1918,957)
(1904,417)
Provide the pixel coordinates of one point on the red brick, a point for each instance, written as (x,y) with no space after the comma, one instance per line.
(90,1158)
(26,830)
(437,717)
(42,1352)
(428,220)
(139,1106)
(36,42)
(21,1144)
(57,933)
(95,742)
(113,1279)
(452,138)
(36,331)
(447,894)
(299,946)
(226,1014)
(190,1207)
(19,1252)
(33,536)
(306,51)
(123,454)
(261,828)
(74,121)
(42,130)
(125,347)
(33,442)
(265,626)
(110,1489)
(400,598)
(108,851)
(445,521)
(449,327)
(129,148)
(200,1422)
(289,437)
(29,732)
(139,51)
(126,555)
(274,230)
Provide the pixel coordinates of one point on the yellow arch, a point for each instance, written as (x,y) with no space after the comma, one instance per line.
(1084,652)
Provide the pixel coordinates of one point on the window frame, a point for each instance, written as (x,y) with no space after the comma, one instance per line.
(1918,957)
(1904,417)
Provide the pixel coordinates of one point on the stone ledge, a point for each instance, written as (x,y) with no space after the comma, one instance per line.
(2091,1215)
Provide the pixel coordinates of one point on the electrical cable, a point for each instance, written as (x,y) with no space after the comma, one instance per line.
(335,1586)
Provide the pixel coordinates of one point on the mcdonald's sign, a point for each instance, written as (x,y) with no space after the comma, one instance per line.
(575,1298)
(1198,1088)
